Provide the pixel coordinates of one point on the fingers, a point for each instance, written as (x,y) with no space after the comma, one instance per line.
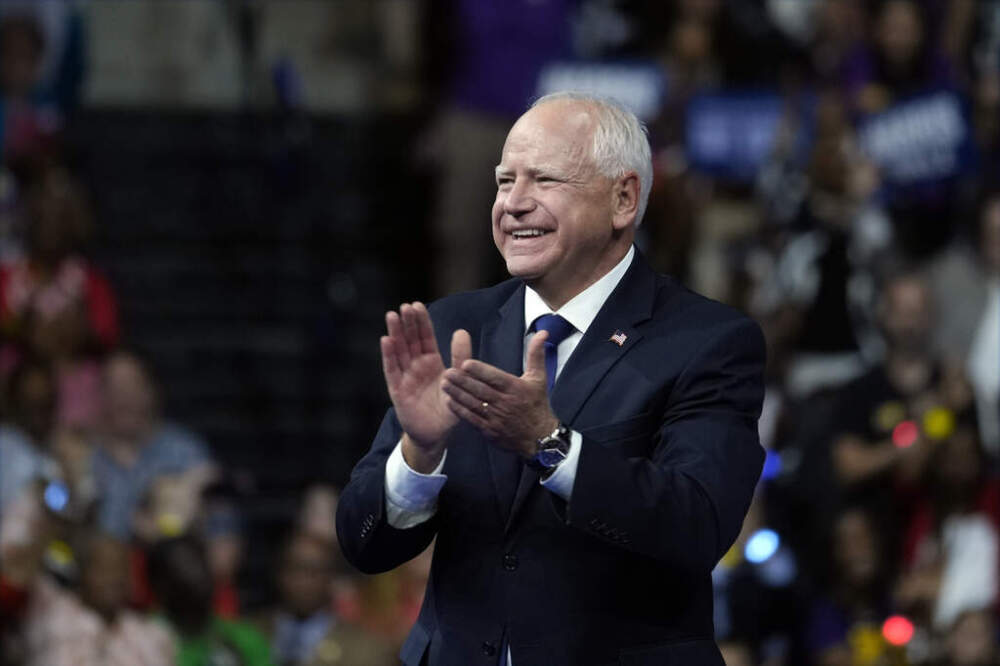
(534,364)
(461,348)
(397,336)
(459,384)
(425,329)
(470,415)
(488,374)
(390,362)
(411,329)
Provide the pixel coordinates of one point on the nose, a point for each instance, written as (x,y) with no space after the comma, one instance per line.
(518,199)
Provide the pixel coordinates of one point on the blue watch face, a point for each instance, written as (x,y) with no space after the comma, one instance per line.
(550,457)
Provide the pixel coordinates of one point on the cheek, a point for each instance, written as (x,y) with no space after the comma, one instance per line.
(497,211)
(495,215)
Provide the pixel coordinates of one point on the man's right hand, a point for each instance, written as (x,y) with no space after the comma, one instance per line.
(413,372)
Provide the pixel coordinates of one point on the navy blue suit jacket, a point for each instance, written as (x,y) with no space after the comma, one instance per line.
(621,573)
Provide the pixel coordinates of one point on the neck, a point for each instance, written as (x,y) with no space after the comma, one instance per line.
(556,293)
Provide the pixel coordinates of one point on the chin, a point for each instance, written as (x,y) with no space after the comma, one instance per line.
(526,270)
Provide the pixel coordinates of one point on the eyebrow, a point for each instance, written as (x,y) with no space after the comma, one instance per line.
(501,170)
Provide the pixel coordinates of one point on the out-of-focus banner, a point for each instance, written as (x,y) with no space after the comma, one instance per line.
(922,139)
(638,85)
(730,135)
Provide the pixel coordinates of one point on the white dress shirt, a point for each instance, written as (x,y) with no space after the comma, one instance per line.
(411,497)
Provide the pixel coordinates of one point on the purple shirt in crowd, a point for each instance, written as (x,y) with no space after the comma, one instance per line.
(501,46)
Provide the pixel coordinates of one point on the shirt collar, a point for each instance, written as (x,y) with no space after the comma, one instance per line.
(582,308)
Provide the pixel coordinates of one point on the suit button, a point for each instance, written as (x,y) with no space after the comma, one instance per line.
(489,649)
(510,562)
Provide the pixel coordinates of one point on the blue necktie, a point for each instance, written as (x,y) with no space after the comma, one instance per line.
(559,329)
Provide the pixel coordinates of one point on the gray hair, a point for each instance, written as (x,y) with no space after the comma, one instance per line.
(620,141)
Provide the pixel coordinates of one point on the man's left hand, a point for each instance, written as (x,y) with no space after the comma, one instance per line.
(512,411)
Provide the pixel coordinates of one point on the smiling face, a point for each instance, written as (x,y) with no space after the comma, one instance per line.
(558,222)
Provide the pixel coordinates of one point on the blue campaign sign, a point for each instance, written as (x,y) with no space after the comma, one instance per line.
(638,85)
(730,135)
(922,139)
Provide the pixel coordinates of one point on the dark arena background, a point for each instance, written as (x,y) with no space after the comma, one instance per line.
(207,206)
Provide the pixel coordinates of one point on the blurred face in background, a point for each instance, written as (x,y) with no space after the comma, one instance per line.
(34,403)
(129,399)
(306,576)
(990,234)
(183,584)
(900,33)
(104,583)
(58,218)
(319,507)
(856,550)
(906,315)
(20,55)
(223,540)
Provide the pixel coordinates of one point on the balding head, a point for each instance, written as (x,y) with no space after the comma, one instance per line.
(619,141)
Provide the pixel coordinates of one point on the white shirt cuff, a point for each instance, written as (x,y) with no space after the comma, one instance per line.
(411,497)
(561,481)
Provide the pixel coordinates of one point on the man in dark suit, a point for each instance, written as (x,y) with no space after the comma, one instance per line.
(589,450)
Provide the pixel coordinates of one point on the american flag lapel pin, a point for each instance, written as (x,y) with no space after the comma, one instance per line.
(618,338)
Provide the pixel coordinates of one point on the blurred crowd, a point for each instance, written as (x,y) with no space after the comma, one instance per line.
(830,166)
(121,537)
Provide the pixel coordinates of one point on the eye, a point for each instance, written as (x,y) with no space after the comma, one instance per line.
(504,181)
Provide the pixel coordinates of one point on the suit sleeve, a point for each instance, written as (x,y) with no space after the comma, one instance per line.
(367,539)
(683,505)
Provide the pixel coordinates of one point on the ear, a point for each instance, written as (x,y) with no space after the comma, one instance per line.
(625,200)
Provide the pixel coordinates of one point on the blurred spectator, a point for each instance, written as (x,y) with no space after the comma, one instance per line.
(318,511)
(482,93)
(182,583)
(94,628)
(888,420)
(387,605)
(951,550)
(839,27)
(137,447)
(24,435)
(818,292)
(303,629)
(757,605)
(53,278)
(54,303)
(221,525)
(905,57)
(856,598)
(967,329)
(41,72)
(30,121)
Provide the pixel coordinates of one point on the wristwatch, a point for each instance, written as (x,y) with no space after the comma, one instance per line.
(550,451)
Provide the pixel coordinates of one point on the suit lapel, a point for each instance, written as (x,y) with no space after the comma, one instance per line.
(628,305)
(501,345)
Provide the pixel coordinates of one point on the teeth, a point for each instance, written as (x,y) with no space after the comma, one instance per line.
(528,233)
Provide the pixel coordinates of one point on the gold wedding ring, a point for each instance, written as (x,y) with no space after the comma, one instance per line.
(486,406)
